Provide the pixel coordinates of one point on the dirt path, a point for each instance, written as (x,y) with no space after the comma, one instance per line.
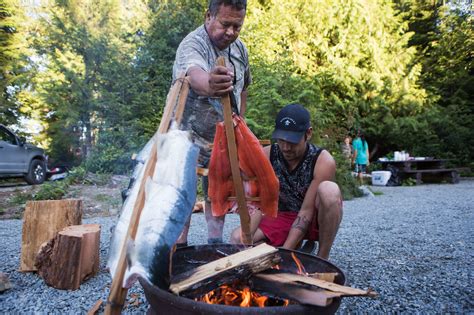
(98,200)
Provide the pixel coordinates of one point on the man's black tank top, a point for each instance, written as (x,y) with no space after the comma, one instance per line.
(294,184)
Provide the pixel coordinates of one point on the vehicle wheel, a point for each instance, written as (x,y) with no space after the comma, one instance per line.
(37,173)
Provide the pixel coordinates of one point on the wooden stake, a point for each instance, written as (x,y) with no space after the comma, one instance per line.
(234,165)
(117,293)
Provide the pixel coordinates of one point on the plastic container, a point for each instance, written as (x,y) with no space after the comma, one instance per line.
(380,178)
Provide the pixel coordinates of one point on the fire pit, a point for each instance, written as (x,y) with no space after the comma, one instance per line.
(187,258)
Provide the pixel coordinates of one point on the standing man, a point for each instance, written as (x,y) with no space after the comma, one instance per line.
(196,56)
(310,203)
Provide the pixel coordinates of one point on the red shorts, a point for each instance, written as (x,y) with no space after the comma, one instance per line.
(276,230)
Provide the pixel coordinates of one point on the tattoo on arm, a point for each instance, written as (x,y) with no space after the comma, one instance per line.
(301,223)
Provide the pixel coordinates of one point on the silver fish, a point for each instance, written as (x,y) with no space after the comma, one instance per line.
(169,199)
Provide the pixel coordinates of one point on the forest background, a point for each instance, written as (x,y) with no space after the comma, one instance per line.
(87,79)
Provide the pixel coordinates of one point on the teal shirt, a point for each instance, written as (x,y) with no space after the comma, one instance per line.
(362,149)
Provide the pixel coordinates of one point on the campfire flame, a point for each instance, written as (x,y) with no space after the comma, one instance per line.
(299,264)
(233,296)
(241,295)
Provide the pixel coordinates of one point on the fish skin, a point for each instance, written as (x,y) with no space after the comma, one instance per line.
(169,200)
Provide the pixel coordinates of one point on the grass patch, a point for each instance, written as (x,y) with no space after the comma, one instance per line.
(409,182)
(20,198)
(377,193)
(52,191)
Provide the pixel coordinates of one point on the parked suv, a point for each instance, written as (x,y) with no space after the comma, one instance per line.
(20,159)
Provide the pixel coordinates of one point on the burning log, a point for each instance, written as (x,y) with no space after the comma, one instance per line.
(240,265)
(304,294)
(71,257)
(304,289)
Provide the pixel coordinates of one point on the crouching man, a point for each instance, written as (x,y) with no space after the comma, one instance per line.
(310,202)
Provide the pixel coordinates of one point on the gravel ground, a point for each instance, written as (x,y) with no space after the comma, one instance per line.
(413,245)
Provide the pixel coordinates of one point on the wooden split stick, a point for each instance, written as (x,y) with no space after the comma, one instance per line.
(117,293)
(234,165)
(333,287)
(236,266)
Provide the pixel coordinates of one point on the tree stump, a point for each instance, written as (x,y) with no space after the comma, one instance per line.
(71,257)
(41,222)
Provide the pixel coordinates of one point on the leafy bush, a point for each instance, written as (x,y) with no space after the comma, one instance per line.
(52,191)
(21,198)
(347,183)
(409,182)
(77,175)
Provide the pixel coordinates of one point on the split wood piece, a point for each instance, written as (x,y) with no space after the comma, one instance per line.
(234,165)
(333,287)
(95,308)
(71,257)
(225,270)
(42,220)
(303,294)
(118,293)
(326,276)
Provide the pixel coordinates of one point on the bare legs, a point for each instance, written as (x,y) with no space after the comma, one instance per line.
(215,225)
(257,234)
(329,205)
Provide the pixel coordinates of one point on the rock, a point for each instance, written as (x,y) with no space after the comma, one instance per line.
(5,283)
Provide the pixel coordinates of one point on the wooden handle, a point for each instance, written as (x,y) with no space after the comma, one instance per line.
(234,165)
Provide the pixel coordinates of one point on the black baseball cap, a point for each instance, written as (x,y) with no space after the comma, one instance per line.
(291,123)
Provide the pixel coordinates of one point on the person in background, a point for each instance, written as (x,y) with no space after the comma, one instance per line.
(310,202)
(360,156)
(196,57)
(346,149)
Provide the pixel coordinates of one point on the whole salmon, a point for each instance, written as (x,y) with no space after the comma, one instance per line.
(169,199)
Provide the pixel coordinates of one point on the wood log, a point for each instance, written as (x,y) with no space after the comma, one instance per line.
(341,290)
(240,265)
(327,276)
(303,294)
(71,257)
(42,220)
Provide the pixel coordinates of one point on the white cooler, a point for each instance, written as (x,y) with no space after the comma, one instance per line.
(380,178)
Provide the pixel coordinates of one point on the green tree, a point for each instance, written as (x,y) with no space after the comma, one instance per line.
(86,49)
(13,61)
(348,61)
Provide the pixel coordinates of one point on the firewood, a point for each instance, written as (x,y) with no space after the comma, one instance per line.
(225,270)
(70,257)
(303,294)
(326,276)
(340,290)
(41,222)
(95,308)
